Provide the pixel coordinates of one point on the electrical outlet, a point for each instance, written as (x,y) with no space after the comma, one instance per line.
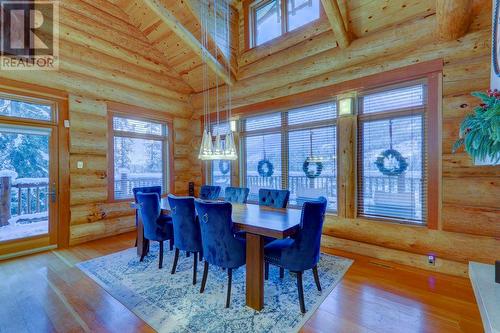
(79,165)
(432,259)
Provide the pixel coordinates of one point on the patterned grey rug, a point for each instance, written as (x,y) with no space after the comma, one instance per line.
(170,303)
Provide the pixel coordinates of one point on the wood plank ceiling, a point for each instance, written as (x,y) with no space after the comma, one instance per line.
(344,22)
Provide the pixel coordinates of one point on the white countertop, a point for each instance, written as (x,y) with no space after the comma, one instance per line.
(487,294)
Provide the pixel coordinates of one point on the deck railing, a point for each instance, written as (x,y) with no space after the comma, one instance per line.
(23,197)
(125,184)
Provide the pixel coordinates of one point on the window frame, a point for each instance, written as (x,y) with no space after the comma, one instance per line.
(284,130)
(167,147)
(362,118)
(251,6)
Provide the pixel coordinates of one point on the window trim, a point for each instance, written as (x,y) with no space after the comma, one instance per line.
(284,130)
(116,110)
(249,8)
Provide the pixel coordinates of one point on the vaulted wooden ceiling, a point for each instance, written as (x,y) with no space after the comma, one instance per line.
(168,33)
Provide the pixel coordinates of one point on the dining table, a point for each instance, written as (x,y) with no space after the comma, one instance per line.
(257,222)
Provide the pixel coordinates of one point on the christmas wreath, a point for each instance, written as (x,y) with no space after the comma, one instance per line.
(312,173)
(397,163)
(265,168)
(224,167)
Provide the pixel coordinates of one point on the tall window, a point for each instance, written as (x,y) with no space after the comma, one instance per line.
(392,158)
(294,150)
(140,150)
(220,170)
(267,20)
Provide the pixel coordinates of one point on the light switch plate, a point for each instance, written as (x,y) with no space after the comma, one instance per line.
(66,124)
(79,165)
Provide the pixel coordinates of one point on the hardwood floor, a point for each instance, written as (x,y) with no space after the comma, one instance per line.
(46,293)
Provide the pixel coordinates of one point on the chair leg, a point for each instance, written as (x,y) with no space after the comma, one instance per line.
(301,292)
(195,266)
(171,244)
(201,255)
(188,254)
(160,264)
(135,245)
(142,257)
(266,271)
(229,281)
(204,279)
(282,272)
(316,277)
(176,258)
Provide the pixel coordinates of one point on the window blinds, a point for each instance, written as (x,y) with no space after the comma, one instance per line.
(294,149)
(392,163)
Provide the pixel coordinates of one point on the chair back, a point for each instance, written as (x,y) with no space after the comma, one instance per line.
(209,192)
(273,198)
(220,247)
(237,194)
(187,235)
(146,189)
(304,253)
(150,212)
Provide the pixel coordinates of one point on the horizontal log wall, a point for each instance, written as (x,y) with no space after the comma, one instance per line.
(93,214)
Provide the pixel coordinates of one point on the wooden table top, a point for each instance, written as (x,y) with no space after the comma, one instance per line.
(260,220)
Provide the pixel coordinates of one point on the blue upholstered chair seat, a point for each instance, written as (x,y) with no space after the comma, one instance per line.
(274,249)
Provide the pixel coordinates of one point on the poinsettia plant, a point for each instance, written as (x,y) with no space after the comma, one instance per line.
(480,131)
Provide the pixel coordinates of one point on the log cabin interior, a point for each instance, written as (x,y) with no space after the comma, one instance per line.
(311,165)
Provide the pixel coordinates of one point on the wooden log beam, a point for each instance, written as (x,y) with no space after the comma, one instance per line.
(453,18)
(334,15)
(185,35)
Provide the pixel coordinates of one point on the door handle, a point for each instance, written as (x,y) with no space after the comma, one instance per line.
(53,193)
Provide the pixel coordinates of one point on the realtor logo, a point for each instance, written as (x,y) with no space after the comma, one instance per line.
(29,37)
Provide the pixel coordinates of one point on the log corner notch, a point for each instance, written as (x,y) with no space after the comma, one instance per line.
(187,37)
(453,18)
(339,28)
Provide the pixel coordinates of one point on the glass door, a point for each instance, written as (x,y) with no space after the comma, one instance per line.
(28,171)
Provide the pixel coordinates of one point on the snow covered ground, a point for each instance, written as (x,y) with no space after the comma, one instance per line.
(24,229)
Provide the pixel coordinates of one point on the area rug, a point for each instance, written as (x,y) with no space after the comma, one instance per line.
(170,303)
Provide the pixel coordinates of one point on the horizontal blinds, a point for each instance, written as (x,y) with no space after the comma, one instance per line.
(313,113)
(294,149)
(138,126)
(391,155)
(263,162)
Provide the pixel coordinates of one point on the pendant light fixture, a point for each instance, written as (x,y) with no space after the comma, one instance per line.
(220,145)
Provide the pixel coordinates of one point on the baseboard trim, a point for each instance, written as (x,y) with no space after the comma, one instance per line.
(27,252)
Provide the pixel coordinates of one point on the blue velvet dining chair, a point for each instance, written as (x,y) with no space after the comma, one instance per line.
(220,247)
(273,198)
(209,192)
(148,189)
(187,232)
(301,252)
(236,194)
(156,227)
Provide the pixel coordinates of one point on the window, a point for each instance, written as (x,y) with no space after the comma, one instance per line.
(220,170)
(268,22)
(392,159)
(295,150)
(26,108)
(140,149)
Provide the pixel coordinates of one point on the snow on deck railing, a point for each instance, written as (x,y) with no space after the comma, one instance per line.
(22,197)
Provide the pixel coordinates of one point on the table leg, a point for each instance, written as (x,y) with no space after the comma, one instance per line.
(142,243)
(255,272)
